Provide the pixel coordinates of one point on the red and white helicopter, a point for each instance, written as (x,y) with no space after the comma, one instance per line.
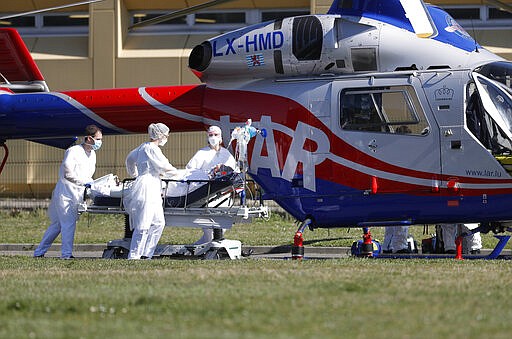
(378,113)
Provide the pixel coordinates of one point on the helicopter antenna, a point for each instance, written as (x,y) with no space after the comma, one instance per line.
(49,9)
(474,35)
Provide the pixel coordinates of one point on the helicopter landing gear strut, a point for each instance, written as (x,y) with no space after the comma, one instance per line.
(298,247)
(367,245)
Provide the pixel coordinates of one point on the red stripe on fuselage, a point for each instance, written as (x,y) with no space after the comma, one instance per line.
(241,105)
(127,109)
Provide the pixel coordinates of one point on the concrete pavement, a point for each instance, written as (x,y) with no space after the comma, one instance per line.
(96,251)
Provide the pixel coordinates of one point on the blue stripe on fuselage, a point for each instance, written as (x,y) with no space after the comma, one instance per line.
(392,12)
(389,11)
(449,31)
(41,115)
(334,205)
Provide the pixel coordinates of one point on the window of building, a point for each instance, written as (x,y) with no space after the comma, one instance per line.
(464,13)
(44,24)
(281,14)
(210,18)
(389,110)
(211,21)
(214,21)
(220,18)
(23,21)
(479,17)
(139,17)
(66,20)
(497,14)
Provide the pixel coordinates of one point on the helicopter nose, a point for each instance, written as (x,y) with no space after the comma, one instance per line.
(200,57)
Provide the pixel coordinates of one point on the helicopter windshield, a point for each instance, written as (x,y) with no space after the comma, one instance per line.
(500,71)
(496,99)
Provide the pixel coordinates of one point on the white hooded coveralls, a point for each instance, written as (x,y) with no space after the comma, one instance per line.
(206,159)
(75,171)
(395,238)
(450,233)
(143,202)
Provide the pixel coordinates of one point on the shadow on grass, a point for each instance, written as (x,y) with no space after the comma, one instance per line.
(287,248)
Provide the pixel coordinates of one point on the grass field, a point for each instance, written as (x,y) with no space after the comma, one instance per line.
(346,298)
(27,227)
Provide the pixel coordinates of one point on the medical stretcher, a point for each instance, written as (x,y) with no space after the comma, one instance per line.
(216,203)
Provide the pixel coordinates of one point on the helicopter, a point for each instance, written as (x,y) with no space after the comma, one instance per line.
(378,113)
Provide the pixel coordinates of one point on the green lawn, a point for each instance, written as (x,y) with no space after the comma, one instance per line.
(347,298)
(28,227)
(249,298)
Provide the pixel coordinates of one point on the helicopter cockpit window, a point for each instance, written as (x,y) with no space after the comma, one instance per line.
(489,115)
(500,71)
(389,110)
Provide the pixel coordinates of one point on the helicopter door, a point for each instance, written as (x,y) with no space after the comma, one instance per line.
(470,134)
(388,128)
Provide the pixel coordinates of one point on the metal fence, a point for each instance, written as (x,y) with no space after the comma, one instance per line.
(23,204)
(32,169)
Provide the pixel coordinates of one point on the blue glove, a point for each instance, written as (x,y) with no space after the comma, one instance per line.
(88,185)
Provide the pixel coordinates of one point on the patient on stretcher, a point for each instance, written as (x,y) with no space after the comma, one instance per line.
(190,188)
(196,188)
(183,182)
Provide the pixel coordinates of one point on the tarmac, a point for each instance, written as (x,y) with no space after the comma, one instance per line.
(95,251)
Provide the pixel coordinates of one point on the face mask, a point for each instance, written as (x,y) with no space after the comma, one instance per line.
(162,142)
(97,145)
(214,140)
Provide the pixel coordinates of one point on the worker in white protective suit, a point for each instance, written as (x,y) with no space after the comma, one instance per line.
(143,202)
(450,233)
(209,159)
(75,173)
(473,242)
(395,239)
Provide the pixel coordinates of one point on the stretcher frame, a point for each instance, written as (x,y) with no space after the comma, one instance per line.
(211,216)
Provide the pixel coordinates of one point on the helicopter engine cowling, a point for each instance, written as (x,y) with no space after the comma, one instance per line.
(316,45)
(304,45)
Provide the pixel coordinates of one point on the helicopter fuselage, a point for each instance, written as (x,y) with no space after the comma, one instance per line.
(346,150)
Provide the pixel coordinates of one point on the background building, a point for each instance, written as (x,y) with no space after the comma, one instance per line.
(91,46)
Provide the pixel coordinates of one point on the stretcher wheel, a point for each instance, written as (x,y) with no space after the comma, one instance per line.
(212,255)
(115,253)
(216,254)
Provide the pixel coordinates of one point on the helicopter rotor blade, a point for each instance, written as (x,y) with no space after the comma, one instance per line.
(178,13)
(500,5)
(49,9)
